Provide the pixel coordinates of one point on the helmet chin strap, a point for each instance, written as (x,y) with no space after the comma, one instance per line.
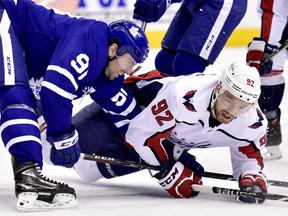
(213,102)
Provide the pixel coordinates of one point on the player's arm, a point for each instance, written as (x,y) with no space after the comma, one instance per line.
(179,172)
(56,99)
(57,93)
(247,165)
(152,125)
(118,102)
(151,10)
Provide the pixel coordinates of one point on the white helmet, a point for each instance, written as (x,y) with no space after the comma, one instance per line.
(242,81)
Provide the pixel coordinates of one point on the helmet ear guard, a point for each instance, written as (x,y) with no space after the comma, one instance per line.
(130,39)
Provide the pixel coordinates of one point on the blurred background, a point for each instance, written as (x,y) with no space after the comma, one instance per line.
(110,10)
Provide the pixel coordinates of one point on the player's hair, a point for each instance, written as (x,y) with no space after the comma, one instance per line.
(130,39)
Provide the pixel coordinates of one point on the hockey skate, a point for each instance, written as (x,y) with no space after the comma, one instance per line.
(38,193)
(274,138)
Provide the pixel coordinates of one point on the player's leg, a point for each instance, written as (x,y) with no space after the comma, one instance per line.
(273,84)
(98,135)
(272,91)
(179,25)
(18,125)
(204,39)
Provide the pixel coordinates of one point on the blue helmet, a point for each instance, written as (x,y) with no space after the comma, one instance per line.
(131,39)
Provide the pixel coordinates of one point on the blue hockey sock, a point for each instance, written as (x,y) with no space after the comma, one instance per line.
(186,63)
(164,61)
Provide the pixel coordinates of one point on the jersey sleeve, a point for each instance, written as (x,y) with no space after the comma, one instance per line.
(72,65)
(57,92)
(118,102)
(152,125)
(248,159)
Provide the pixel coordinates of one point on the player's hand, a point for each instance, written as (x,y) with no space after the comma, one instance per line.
(258,50)
(178,179)
(151,10)
(254,184)
(65,150)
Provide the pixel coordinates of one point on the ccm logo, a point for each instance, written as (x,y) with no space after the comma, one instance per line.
(70,143)
(170,178)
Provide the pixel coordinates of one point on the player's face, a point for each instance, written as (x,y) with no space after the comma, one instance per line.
(228,107)
(120,65)
(127,63)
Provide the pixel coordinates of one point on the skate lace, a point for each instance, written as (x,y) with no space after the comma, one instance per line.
(48,179)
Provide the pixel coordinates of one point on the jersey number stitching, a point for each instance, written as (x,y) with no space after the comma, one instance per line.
(161,108)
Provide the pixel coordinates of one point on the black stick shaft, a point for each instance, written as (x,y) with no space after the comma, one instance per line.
(104,159)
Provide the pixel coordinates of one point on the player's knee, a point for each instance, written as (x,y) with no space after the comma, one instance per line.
(187,63)
(164,60)
(87,171)
(271,97)
(238,10)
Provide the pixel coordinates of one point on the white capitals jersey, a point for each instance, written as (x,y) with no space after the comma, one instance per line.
(181,113)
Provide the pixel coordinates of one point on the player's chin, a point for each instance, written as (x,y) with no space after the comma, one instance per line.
(224,119)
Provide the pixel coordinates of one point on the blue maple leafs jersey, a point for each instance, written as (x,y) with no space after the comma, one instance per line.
(65,58)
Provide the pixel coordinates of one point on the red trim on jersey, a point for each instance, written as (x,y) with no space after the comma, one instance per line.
(154,143)
(251,152)
(272,73)
(267,16)
(147,76)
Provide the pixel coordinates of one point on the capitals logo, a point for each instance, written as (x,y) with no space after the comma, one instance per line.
(259,122)
(189,100)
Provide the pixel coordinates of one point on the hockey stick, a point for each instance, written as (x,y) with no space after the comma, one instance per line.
(143,26)
(283,46)
(236,192)
(201,188)
(104,159)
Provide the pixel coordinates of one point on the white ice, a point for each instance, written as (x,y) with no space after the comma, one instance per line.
(140,195)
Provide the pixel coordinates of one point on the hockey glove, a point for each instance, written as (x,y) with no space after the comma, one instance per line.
(254,184)
(65,149)
(178,179)
(151,10)
(258,50)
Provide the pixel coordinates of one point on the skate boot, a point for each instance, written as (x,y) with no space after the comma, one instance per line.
(274,136)
(38,193)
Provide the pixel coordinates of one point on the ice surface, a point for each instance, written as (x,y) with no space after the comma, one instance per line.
(139,195)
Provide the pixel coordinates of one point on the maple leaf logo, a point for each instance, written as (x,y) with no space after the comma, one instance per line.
(35,85)
(135,32)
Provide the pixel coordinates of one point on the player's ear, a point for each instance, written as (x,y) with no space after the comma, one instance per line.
(112,50)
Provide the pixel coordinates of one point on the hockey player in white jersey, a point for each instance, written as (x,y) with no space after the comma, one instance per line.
(273,34)
(58,58)
(182,113)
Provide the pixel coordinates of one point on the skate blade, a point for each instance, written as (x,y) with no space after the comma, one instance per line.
(271,153)
(28,202)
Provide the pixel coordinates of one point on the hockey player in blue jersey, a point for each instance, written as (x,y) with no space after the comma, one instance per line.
(197,33)
(182,113)
(60,58)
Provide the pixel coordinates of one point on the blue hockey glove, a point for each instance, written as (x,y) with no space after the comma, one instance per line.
(151,10)
(258,50)
(254,184)
(65,149)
